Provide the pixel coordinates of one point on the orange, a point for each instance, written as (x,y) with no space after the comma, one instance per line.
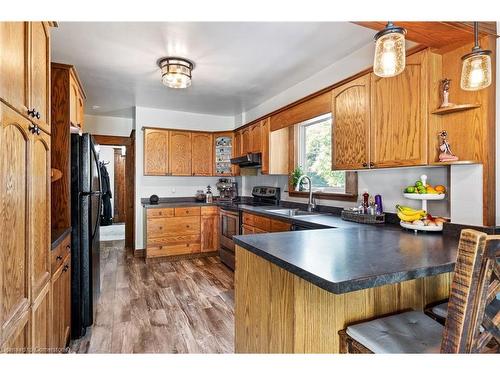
(440,189)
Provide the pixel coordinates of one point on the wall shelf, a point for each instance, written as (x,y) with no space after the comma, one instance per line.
(455,108)
(457,162)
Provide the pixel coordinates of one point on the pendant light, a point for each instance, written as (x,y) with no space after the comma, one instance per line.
(476,66)
(176,72)
(390,52)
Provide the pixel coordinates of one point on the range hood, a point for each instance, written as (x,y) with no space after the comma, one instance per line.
(250,160)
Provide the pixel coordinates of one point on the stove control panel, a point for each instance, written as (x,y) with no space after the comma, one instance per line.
(269,192)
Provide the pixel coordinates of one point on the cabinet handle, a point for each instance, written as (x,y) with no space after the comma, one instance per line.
(372,164)
(365,165)
(37,115)
(68,247)
(65,269)
(32,112)
(59,257)
(34,129)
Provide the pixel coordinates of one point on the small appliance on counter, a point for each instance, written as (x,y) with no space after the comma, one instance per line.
(200,196)
(228,189)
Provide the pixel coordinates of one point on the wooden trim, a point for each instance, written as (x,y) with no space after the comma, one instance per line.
(129,143)
(229,131)
(409,52)
(112,140)
(73,71)
(326,196)
(139,253)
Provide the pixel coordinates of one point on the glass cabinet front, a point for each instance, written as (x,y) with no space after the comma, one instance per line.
(223,152)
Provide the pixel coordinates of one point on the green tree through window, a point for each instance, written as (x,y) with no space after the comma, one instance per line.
(315,138)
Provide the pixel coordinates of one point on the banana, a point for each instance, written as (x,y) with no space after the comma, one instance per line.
(409,218)
(408,211)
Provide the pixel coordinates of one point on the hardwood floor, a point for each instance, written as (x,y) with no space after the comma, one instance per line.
(184,306)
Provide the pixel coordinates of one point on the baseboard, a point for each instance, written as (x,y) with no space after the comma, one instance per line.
(139,253)
(181,257)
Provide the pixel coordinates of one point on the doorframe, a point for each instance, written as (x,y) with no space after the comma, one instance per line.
(129,143)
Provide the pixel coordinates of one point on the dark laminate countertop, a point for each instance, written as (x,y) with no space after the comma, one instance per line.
(347,259)
(58,235)
(177,204)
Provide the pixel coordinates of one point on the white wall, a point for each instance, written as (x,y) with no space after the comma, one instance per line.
(165,186)
(106,125)
(387,182)
(107,154)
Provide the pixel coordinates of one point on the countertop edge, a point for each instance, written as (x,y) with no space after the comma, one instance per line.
(351,285)
(58,235)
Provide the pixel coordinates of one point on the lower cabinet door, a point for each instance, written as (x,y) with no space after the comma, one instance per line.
(19,340)
(61,305)
(209,233)
(41,321)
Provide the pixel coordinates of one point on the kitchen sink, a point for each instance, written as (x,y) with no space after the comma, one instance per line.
(293,212)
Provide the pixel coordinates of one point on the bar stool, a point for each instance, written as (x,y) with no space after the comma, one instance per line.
(476,281)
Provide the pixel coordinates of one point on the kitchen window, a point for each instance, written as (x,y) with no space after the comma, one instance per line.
(313,153)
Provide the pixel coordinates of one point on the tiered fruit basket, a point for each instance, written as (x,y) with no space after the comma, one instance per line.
(426,222)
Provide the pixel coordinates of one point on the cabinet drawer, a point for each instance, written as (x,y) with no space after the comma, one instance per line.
(256,221)
(187,211)
(160,212)
(168,250)
(163,227)
(247,229)
(280,226)
(174,240)
(209,210)
(59,254)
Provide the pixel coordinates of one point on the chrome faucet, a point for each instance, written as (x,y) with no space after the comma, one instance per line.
(310,204)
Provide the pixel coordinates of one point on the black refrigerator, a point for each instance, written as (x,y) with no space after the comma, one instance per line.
(85,217)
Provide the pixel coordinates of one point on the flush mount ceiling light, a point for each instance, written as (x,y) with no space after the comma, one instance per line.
(390,53)
(476,66)
(176,72)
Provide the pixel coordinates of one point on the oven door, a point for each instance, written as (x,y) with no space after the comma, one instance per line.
(229,227)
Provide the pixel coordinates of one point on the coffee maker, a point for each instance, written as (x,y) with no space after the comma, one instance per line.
(228,189)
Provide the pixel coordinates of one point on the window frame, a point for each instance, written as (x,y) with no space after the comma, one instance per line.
(351,177)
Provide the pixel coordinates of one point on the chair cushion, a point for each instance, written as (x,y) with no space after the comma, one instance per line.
(409,332)
(442,309)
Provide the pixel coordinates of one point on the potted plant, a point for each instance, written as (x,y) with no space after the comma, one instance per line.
(294,178)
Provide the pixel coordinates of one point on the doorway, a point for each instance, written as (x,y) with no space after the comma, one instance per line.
(118,157)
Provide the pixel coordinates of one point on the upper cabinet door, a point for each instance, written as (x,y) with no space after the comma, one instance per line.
(40,212)
(156,154)
(40,73)
(246,141)
(399,116)
(14,211)
(237,144)
(73,100)
(180,153)
(351,124)
(256,138)
(14,64)
(202,154)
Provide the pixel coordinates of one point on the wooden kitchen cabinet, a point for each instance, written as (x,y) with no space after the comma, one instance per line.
(202,154)
(61,301)
(180,153)
(246,141)
(399,115)
(351,124)
(41,321)
(14,64)
(76,106)
(275,147)
(16,142)
(156,152)
(260,224)
(18,340)
(256,137)
(209,229)
(223,151)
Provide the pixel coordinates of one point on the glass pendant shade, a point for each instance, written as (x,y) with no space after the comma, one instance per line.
(390,52)
(476,67)
(176,72)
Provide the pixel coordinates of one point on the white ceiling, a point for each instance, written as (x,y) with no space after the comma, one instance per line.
(238,64)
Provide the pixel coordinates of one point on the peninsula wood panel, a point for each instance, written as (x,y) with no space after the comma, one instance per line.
(15,159)
(278,312)
(40,212)
(202,154)
(14,64)
(40,72)
(156,152)
(351,124)
(399,116)
(180,152)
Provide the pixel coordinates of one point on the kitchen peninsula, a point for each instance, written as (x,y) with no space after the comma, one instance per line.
(295,290)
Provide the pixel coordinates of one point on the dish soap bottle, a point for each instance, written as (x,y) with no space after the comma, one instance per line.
(209,195)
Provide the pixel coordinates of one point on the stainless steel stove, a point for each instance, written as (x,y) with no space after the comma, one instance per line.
(230,218)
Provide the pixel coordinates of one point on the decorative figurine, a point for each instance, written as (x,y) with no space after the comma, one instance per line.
(446,154)
(445,92)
